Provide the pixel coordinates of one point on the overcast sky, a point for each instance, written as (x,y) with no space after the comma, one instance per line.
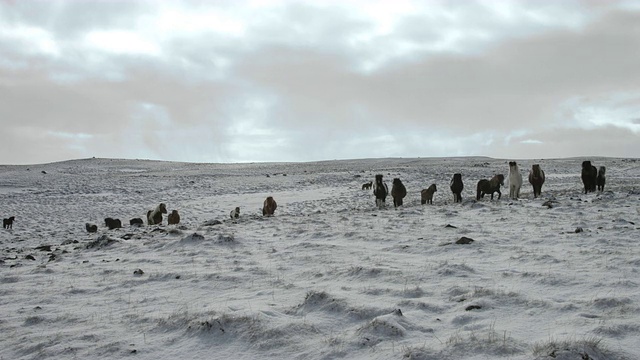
(261,80)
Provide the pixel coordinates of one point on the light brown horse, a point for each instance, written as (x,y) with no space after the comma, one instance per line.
(173,218)
(426,195)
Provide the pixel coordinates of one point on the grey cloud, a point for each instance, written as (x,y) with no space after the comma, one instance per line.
(605,141)
(71,19)
(293,88)
(519,83)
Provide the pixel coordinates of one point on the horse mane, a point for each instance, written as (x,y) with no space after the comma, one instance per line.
(535,170)
(380,190)
(497,180)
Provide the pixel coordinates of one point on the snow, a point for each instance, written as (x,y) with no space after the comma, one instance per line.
(329,276)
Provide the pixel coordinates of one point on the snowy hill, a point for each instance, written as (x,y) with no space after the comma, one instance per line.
(329,276)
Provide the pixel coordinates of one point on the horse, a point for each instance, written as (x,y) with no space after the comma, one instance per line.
(367,186)
(426,195)
(490,186)
(456,187)
(536,179)
(235,213)
(601,178)
(173,218)
(154,217)
(269,206)
(589,176)
(8,223)
(136,222)
(380,190)
(515,180)
(112,223)
(91,228)
(398,192)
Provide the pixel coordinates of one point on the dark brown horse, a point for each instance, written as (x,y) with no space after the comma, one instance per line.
(536,179)
(91,227)
(173,218)
(113,223)
(589,176)
(398,192)
(8,223)
(456,187)
(490,186)
(269,207)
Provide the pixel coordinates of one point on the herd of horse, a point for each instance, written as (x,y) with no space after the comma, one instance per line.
(592,179)
(154,217)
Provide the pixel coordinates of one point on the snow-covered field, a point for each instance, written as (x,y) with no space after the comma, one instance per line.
(329,276)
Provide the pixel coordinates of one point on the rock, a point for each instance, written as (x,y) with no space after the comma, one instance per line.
(473,307)
(451,226)
(397,312)
(212,223)
(138,272)
(29,257)
(226,238)
(548,204)
(101,242)
(578,230)
(464,241)
(44,248)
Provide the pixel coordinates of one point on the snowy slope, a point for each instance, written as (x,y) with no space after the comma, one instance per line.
(329,276)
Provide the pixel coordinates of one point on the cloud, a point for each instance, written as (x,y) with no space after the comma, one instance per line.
(294,81)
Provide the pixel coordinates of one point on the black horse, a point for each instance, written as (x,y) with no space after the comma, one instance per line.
(589,176)
(456,187)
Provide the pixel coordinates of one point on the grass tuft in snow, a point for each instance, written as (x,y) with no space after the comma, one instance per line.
(590,348)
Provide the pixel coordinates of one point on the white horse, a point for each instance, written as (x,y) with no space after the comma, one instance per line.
(154,217)
(515,180)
